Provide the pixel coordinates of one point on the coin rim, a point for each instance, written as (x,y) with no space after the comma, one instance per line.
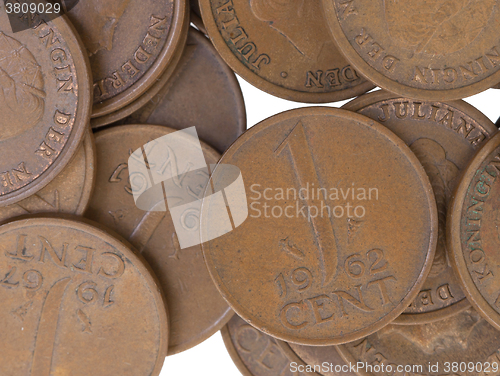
(89,149)
(294,357)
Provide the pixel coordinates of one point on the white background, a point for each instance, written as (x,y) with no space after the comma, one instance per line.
(211,358)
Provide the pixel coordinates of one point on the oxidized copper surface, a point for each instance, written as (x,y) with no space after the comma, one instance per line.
(308,275)
(76,301)
(433,50)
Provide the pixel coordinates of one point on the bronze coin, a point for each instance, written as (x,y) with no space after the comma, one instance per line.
(463,344)
(283,48)
(444,137)
(45,104)
(195,307)
(318,260)
(68,193)
(130,44)
(203,92)
(497,86)
(431,50)
(76,301)
(473,235)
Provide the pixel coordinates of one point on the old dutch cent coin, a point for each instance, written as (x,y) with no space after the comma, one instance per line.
(203,92)
(283,48)
(44,102)
(196,309)
(444,137)
(130,44)
(433,50)
(464,344)
(319,260)
(473,234)
(76,301)
(68,193)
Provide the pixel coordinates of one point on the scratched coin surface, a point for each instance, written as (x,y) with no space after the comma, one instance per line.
(203,91)
(283,48)
(434,50)
(196,309)
(444,137)
(473,233)
(44,101)
(130,43)
(430,349)
(76,301)
(318,261)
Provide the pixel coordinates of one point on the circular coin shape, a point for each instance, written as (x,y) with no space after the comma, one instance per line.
(432,50)
(473,234)
(317,260)
(45,104)
(130,44)
(283,48)
(196,309)
(444,137)
(77,301)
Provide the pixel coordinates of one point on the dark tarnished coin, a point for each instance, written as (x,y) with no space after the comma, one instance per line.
(202,92)
(130,44)
(283,48)
(341,231)
(444,137)
(432,50)
(196,309)
(76,301)
(44,104)
(473,234)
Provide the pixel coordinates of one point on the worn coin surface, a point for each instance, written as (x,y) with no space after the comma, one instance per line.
(473,234)
(195,307)
(202,92)
(341,228)
(444,137)
(76,301)
(433,50)
(283,48)
(44,101)
(130,44)
(464,344)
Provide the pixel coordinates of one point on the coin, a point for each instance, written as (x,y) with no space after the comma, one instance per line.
(318,260)
(444,137)
(496,86)
(45,104)
(463,344)
(130,44)
(203,92)
(195,307)
(433,50)
(283,48)
(76,301)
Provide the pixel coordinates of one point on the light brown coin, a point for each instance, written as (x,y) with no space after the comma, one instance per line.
(76,301)
(195,307)
(432,50)
(44,102)
(318,260)
(283,48)
(130,44)
(444,137)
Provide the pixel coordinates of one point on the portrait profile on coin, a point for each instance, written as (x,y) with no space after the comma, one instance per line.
(22,96)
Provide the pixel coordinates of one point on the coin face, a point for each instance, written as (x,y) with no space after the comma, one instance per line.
(130,44)
(202,91)
(45,104)
(318,260)
(196,309)
(430,349)
(444,137)
(433,50)
(76,301)
(473,235)
(283,48)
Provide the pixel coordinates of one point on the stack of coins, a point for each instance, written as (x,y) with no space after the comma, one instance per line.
(139,216)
